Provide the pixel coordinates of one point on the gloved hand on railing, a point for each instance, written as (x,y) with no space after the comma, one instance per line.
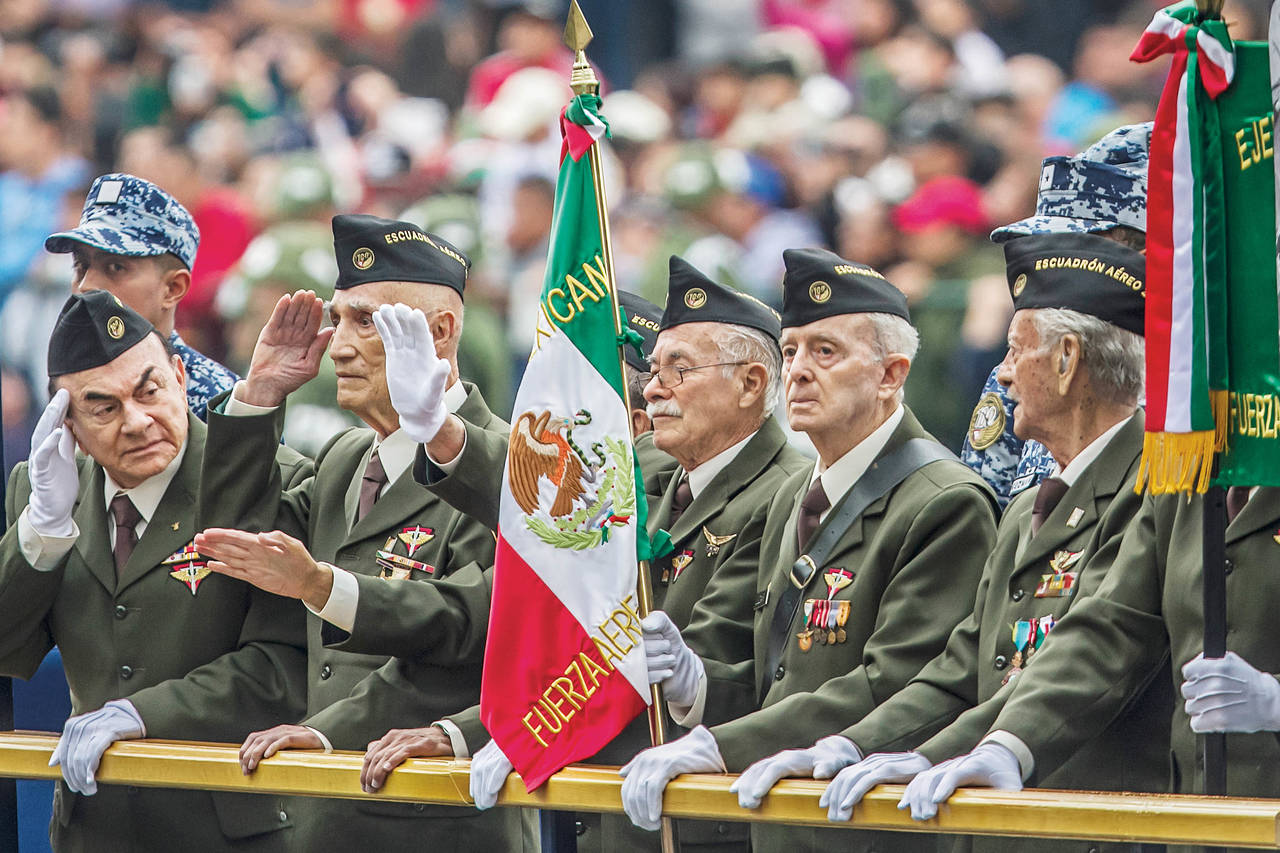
(489,769)
(646,776)
(87,736)
(820,761)
(990,765)
(852,783)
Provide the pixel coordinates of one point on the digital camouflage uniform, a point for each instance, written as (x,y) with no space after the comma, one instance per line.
(206,378)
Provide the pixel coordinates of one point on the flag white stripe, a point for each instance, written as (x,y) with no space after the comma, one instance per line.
(1178,407)
(1217,53)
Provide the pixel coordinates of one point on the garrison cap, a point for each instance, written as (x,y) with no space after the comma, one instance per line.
(819,284)
(125,215)
(93,329)
(1081,272)
(694,298)
(1103,187)
(643,318)
(370,248)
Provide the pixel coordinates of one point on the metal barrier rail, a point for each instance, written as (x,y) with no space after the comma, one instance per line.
(1153,818)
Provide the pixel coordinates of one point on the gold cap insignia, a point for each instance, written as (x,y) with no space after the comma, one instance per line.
(363,258)
(695,298)
(987,424)
(819,292)
(1019,285)
(115,327)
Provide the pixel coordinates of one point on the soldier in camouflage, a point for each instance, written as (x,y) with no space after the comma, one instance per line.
(137,242)
(1103,191)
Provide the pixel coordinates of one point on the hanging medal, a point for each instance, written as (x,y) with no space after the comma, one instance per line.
(842,616)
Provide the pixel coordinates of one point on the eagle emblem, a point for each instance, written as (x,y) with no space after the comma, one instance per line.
(714,542)
(539,450)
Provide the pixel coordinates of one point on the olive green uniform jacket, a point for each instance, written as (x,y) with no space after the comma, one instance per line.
(214,664)
(915,555)
(1145,620)
(655,466)
(316,512)
(961,689)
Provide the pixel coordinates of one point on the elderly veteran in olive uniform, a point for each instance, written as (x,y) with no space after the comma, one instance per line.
(366,533)
(139,243)
(98,559)
(1075,369)
(868,559)
(1103,191)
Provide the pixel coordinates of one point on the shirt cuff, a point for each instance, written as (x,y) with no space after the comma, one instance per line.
(456,738)
(450,466)
(328,747)
(44,553)
(344,599)
(238,408)
(692,715)
(1013,743)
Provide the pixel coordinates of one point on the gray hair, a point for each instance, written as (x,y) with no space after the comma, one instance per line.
(743,343)
(894,336)
(1114,356)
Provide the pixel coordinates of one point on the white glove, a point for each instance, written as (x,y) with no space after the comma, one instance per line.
(852,783)
(416,376)
(55,481)
(990,765)
(489,769)
(86,737)
(820,761)
(670,661)
(646,776)
(1228,695)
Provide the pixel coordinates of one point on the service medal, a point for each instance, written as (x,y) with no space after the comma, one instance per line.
(397,567)
(415,536)
(842,616)
(714,542)
(680,562)
(188,567)
(805,639)
(836,580)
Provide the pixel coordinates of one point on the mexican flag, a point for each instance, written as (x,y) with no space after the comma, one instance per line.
(1212,322)
(564,666)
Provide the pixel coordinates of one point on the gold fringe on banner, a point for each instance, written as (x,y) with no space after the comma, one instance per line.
(1221,401)
(1177,462)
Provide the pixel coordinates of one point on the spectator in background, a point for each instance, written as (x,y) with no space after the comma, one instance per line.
(530,35)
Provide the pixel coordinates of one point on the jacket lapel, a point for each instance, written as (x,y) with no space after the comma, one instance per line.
(94,545)
(404,498)
(1262,510)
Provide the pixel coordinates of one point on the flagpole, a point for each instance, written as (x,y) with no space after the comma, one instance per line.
(583,81)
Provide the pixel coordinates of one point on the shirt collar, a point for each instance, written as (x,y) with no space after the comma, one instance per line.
(701,477)
(146,496)
(848,469)
(1085,457)
(397,450)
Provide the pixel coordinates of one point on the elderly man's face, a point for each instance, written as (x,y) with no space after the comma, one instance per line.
(130,414)
(1028,371)
(831,374)
(356,349)
(692,420)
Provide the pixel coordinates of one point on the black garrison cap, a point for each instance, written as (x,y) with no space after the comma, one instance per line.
(93,329)
(370,248)
(820,284)
(1081,272)
(694,298)
(642,316)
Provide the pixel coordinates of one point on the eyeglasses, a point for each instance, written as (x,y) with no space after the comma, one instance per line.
(671,376)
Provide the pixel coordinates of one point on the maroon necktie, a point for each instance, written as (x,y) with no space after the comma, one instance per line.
(126,516)
(815,503)
(680,500)
(1048,495)
(370,485)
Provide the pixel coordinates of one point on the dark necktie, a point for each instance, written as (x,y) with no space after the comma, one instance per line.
(1048,495)
(815,503)
(1237,497)
(126,516)
(370,485)
(680,500)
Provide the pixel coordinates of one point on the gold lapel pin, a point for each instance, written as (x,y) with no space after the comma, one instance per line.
(175,525)
(1074,519)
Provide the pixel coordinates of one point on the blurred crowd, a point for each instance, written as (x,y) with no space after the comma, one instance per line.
(895,132)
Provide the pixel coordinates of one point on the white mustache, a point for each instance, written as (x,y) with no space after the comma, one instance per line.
(669,408)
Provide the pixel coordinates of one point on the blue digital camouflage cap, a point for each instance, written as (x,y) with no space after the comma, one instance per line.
(1102,187)
(125,215)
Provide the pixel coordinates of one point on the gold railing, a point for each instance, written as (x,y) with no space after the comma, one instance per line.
(1168,819)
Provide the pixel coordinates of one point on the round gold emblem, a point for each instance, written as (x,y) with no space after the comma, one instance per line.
(819,292)
(987,424)
(363,258)
(695,298)
(115,327)
(1019,285)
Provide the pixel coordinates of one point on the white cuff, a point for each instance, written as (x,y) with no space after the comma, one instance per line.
(1013,743)
(237,407)
(344,598)
(328,747)
(456,738)
(452,464)
(44,553)
(692,715)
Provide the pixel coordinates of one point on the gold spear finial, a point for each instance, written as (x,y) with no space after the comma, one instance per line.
(1209,9)
(577,35)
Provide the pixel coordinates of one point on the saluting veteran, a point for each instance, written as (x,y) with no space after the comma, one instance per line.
(1075,370)
(868,559)
(98,561)
(362,529)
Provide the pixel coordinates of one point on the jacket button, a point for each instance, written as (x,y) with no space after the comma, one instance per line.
(419,807)
(325,672)
(121,611)
(284,816)
(722,828)
(579,828)
(779,672)
(1228,567)
(1001,662)
(126,672)
(1018,595)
